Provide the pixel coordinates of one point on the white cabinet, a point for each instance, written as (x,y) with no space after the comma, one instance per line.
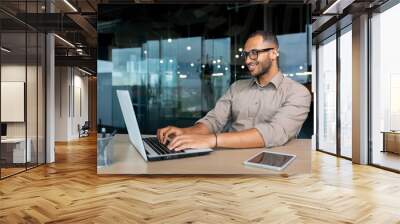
(18,149)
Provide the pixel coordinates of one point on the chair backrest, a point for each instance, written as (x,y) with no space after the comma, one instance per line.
(86,125)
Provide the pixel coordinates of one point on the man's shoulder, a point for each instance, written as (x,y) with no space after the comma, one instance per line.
(292,86)
(242,83)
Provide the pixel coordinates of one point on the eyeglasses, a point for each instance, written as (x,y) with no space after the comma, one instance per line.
(253,54)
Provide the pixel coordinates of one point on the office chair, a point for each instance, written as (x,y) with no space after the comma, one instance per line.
(84,130)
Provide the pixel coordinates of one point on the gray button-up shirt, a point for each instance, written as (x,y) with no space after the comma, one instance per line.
(276,110)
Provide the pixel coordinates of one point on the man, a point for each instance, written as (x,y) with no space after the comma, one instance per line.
(265,111)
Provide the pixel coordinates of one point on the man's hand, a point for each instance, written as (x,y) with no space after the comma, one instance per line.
(169,132)
(186,141)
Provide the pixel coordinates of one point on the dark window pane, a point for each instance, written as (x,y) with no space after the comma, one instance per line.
(178,60)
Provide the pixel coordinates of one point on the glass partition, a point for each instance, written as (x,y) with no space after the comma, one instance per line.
(14,144)
(327,95)
(178,60)
(41,97)
(385,89)
(22,90)
(346,92)
(31,97)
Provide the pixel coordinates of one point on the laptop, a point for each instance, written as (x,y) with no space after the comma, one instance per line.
(149,147)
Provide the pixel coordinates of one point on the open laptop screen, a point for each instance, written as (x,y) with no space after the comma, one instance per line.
(131,123)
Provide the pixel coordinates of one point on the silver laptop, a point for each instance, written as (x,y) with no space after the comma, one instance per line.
(149,148)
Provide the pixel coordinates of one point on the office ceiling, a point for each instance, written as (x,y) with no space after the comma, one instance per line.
(76,22)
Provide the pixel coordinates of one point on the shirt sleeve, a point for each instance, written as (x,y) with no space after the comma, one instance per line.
(216,119)
(288,120)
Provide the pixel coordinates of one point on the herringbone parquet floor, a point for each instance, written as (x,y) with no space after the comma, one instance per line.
(69,191)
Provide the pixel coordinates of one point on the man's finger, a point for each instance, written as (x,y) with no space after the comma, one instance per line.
(167,134)
(172,143)
(188,144)
(179,140)
(182,147)
(163,133)
(158,134)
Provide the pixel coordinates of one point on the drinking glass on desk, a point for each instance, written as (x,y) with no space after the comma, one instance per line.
(104,148)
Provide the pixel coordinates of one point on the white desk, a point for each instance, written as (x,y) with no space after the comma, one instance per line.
(18,149)
(124,159)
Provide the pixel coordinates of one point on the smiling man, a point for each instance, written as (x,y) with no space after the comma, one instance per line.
(265,111)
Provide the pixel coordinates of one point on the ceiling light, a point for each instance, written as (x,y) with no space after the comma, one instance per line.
(84,71)
(337,7)
(240,49)
(217,74)
(170,60)
(236,56)
(182,76)
(70,5)
(5,50)
(169,40)
(144,52)
(65,41)
(161,61)
(303,73)
(242,67)
(192,64)
(188,48)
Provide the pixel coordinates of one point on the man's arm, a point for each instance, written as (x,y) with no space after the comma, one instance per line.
(288,120)
(250,138)
(198,128)
(285,125)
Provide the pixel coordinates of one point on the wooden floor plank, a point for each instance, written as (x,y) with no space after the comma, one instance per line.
(69,191)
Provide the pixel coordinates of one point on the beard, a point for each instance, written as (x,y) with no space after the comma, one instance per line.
(264,68)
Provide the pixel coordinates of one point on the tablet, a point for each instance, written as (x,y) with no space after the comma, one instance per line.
(270,160)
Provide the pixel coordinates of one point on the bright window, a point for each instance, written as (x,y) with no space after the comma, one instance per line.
(327,96)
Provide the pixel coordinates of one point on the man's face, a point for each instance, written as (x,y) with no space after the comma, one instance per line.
(262,64)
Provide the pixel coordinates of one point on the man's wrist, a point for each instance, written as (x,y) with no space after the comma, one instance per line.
(187,130)
(213,140)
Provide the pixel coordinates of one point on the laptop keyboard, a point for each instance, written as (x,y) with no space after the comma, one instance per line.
(158,147)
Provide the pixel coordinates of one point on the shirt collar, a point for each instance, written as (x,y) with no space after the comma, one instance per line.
(276,81)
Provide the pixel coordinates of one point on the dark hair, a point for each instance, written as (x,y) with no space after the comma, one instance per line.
(267,37)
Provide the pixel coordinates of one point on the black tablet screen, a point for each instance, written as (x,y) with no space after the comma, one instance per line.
(271,159)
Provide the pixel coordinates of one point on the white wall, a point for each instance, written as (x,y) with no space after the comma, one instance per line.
(71,96)
(79,117)
(61,103)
